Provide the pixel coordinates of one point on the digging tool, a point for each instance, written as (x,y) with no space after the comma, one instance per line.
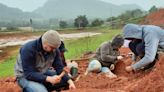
(77,79)
(65,71)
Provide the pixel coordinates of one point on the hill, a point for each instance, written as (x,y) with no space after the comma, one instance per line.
(66,9)
(9,13)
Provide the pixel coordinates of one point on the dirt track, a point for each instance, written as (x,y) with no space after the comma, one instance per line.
(20,39)
(143,81)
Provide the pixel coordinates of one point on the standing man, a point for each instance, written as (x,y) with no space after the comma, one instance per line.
(145,41)
(33,63)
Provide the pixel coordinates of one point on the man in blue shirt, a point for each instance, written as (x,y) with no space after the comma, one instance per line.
(34,61)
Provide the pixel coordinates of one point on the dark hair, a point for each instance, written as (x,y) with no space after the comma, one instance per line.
(118,41)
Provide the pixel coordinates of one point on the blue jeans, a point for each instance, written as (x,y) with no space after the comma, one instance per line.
(32,86)
(105,70)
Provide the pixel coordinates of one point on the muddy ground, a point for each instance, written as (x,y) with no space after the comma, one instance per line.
(14,39)
(144,81)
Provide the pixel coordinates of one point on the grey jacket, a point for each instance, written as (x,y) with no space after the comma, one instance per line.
(153,37)
(106,54)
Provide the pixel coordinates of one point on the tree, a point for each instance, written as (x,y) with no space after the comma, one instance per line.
(62,24)
(111,19)
(97,22)
(153,9)
(129,16)
(132,16)
(81,22)
(136,13)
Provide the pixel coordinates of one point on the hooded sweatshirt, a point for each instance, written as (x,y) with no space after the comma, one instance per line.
(153,37)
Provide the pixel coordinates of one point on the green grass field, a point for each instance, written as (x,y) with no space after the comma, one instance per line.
(7,67)
(82,45)
(75,49)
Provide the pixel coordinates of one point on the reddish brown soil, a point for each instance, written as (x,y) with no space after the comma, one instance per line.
(9,85)
(143,81)
(156,18)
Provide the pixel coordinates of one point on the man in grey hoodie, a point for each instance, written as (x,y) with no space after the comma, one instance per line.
(145,42)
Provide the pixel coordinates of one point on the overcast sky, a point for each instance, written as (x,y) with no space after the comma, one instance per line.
(145,4)
(30,5)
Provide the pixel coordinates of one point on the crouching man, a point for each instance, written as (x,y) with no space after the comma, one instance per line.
(107,55)
(33,63)
(145,42)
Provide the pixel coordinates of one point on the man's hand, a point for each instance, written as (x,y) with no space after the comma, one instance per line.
(129,68)
(53,79)
(71,84)
(119,57)
(66,69)
(56,78)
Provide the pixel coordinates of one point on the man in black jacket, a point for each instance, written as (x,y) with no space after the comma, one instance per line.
(33,63)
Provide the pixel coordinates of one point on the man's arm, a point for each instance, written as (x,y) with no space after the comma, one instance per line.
(58,65)
(105,56)
(151,44)
(28,64)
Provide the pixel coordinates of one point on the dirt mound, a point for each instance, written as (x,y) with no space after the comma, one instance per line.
(9,85)
(143,81)
(154,81)
(156,18)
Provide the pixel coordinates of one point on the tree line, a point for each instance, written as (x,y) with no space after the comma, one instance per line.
(81,21)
